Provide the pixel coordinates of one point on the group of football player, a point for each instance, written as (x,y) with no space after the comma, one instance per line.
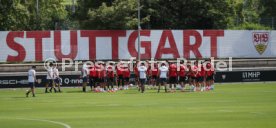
(169,75)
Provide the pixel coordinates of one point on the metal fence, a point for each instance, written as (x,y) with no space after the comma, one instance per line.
(265,21)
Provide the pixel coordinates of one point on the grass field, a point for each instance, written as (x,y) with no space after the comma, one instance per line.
(228,106)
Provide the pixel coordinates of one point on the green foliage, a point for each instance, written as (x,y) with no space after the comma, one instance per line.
(86,5)
(122,14)
(250,26)
(251,11)
(22,15)
(187,14)
(13,15)
(50,13)
(158,14)
(269,8)
(68,2)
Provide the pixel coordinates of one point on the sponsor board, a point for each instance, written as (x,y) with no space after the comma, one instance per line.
(245,76)
(22,81)
(76,81)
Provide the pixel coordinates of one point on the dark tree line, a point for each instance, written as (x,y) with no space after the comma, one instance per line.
(122,14)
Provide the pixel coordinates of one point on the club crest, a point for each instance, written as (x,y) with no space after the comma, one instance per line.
(260,41)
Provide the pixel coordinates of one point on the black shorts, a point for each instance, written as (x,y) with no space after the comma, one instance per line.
(100,80)
(50,81)
(148,78)
(210,78)
(85,79)
(162,80)
(183,79)
(120,77)
(126,79)
(154,77)
(200,79)
(32,84)
(196,79)
(110,79)
(105,79)
(92,79)
(57,81)
(95,79)
(173,80)
(142,81)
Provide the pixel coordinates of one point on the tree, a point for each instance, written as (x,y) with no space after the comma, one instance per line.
(13,15)
(269,8)
(22,14)
(158,14)
(121,14)
(187,14)
(50,13)
(84,6)
(251,11)
(249,14)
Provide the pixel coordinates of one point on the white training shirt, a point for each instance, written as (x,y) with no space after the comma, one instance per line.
(50,73)
(142,72)
(84,72)
(163,71)
(56,73)
(31,75)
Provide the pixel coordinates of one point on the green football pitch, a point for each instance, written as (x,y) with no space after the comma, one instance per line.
(243,105)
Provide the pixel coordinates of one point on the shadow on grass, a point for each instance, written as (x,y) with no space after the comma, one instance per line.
(17,97)
(139,92)
(132,92)
(24,95)
(77,91)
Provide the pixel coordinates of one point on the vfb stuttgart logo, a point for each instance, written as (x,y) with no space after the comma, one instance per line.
(260,41)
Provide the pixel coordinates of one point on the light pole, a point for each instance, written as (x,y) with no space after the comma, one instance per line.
(273,23)
(37,12)
(73,6)
(139,27)
(37,7)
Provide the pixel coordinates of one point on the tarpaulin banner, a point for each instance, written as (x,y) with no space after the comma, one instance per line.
(23,46)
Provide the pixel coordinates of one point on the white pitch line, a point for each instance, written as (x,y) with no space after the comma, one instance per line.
(49,121)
